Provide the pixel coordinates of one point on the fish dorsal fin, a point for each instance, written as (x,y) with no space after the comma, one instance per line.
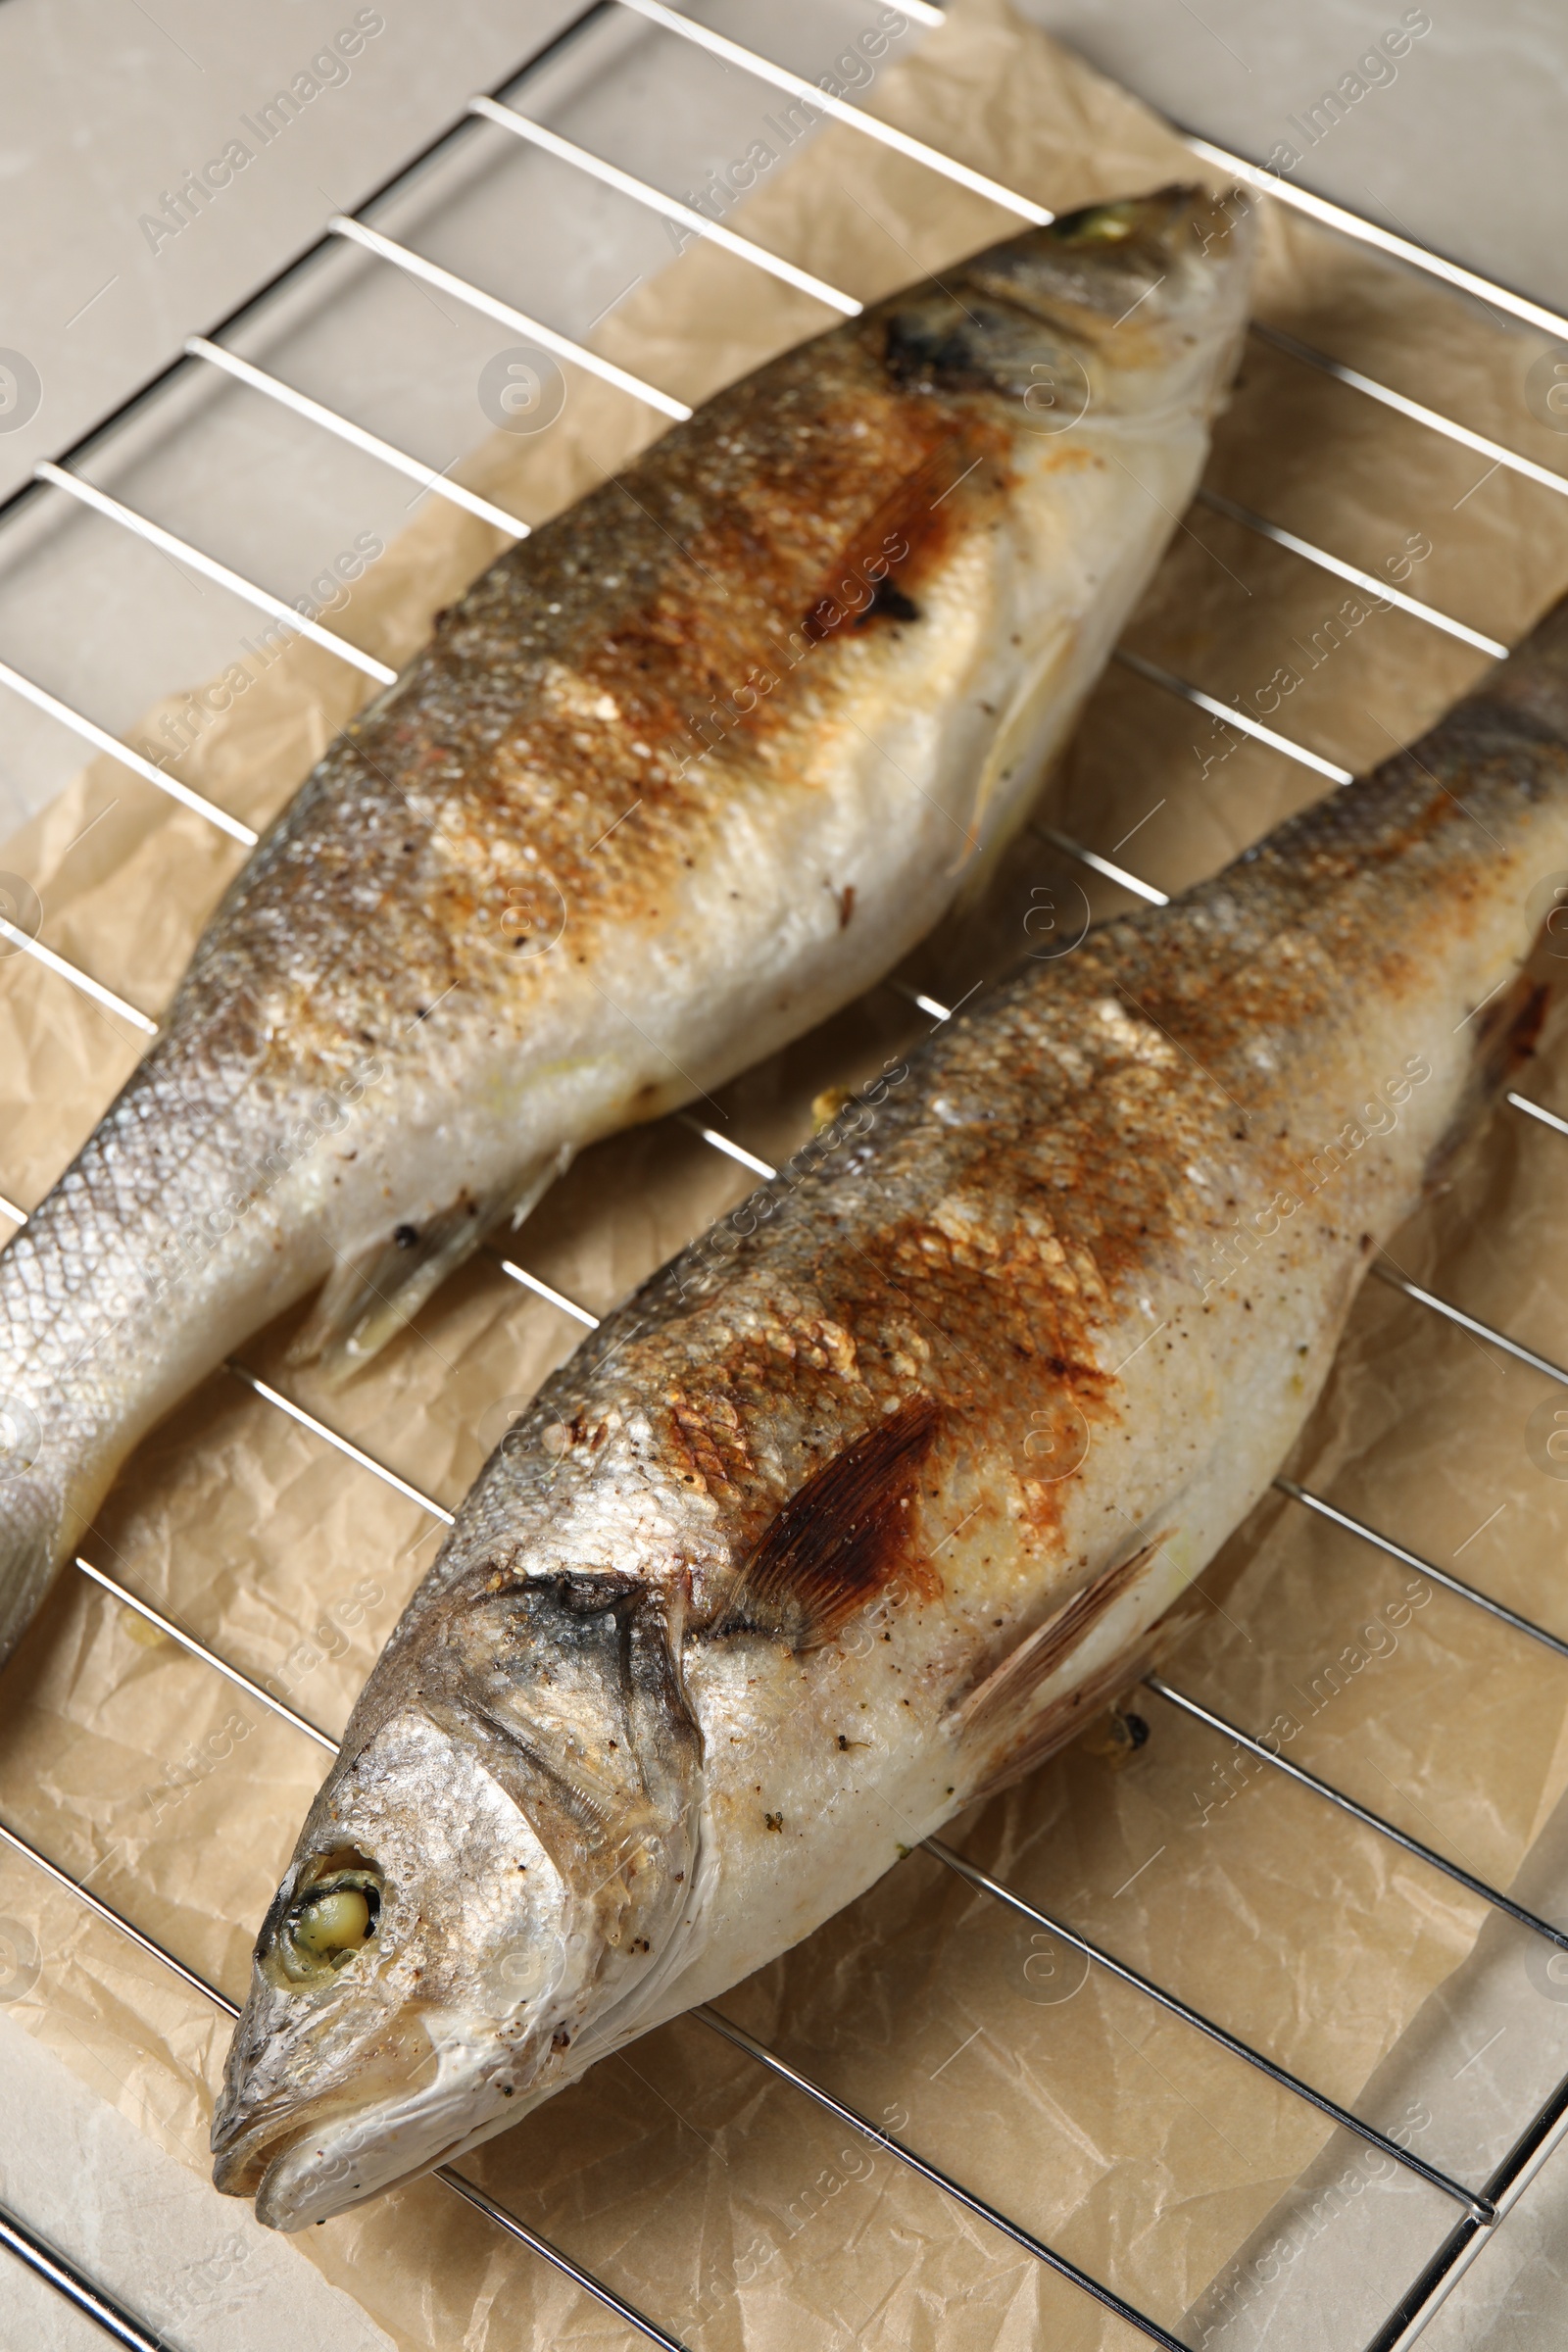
(841,1538)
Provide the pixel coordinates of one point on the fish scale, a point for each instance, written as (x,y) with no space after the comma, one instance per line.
(891,1480)
(684,773)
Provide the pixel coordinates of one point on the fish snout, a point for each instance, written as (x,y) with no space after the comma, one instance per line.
(1145,259)
(1210,233)
(304,2155)
(1125,310)
(1173,260)
(260,2103)
(310,2112)
(271,2090)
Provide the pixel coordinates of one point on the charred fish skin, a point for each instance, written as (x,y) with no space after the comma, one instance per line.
(680,775)
(901,1465)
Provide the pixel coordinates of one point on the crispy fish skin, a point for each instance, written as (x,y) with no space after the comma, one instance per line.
(783,1568)
(680,775)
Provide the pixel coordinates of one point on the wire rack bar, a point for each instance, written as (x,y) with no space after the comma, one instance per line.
(1410,2315)
(933,1006)
(1413,408)
(109,1916)
(182,552)
(353,1454)
(102,741)
(1358,1812)
(1541,2137)
(1367,232)
(78,979)
(1480,1331)
(1412,1559)
(9,1208)
(403,257)
(735,1152)
(1102,865)
(1351,572)
(199,1649)
(1538,1111)
(47,2262)
(984,1883)
(718,45)
(447,2178)
(1242,720)
(542,1290)
(472,2195)
(550,142)
(272,387)
(780,2066)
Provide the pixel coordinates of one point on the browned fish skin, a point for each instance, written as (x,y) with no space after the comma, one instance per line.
(780,1571)
(680,774)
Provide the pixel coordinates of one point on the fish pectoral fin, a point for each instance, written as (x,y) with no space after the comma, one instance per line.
(840,1539)
(1028,738)
(369,1299)
(1503,1041)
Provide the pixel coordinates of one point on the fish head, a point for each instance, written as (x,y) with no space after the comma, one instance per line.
(484,1888)
(1121,309)
(403,1983)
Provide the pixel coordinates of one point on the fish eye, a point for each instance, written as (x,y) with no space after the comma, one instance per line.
(326,1924)
(333,1923)
(1099,225)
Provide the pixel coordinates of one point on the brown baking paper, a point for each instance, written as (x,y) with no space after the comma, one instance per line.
(727,2207)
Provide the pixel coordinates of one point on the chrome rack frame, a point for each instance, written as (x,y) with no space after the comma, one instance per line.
(1480,2211)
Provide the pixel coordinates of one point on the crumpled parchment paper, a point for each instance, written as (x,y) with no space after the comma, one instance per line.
(729,2208)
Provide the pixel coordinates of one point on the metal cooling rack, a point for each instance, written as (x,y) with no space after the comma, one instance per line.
(1477,2214)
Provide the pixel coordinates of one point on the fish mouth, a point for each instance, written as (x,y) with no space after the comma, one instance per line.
(302,2168)
(241,2167)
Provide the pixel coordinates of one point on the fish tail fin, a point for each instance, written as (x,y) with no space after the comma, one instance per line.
(370,1297)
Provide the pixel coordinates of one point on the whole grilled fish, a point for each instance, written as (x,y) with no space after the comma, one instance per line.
(680,775)
(868,1500)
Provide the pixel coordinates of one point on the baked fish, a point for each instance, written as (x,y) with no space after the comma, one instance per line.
(681,773)
(875,1495)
